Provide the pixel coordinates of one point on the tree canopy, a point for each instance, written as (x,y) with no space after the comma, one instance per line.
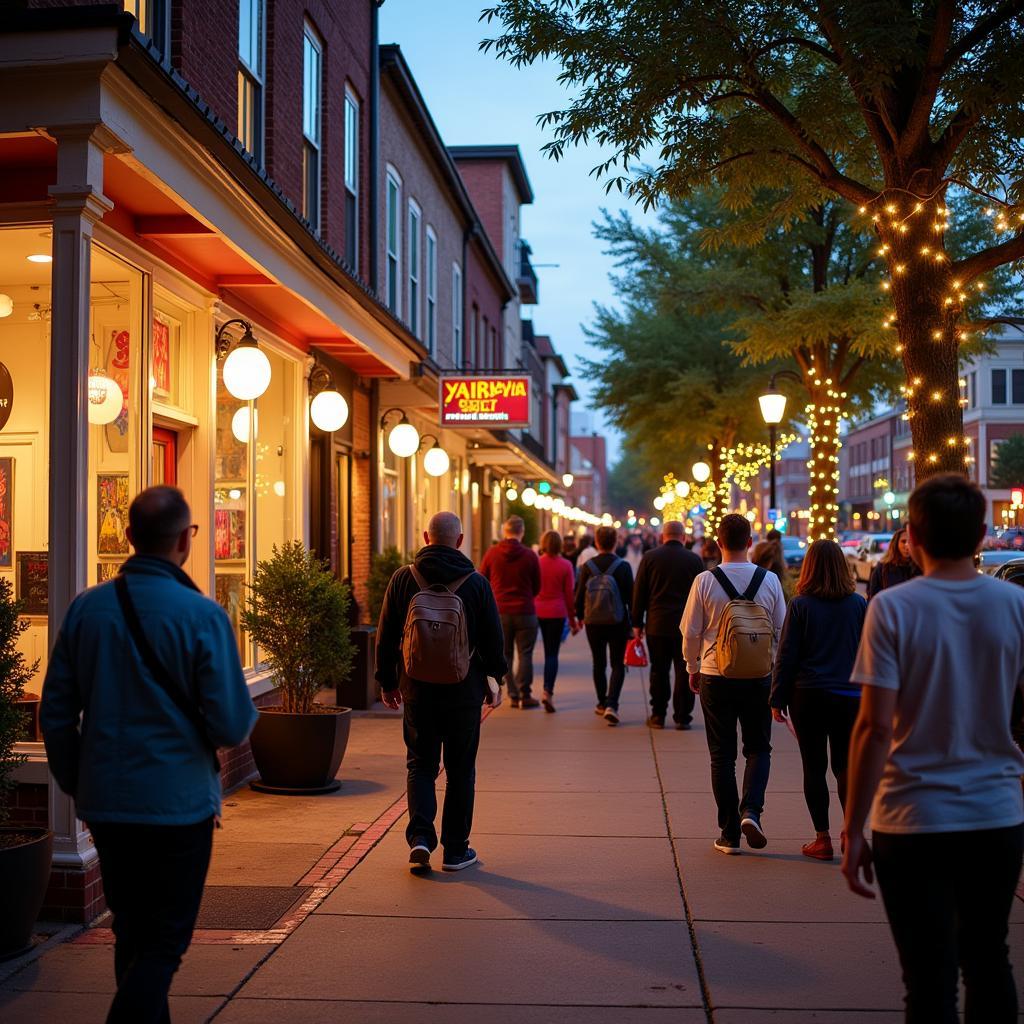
(1008,469)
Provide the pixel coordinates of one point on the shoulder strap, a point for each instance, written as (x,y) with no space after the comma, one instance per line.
(156,667)
(755,584)
(455,584)
(730,591)
(612,566)
(418,577)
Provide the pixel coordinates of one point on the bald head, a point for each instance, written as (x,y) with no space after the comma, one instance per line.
(159,522)
(672,530)
(444,528)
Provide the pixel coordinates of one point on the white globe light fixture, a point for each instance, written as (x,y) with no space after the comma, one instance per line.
(682,489)
(106,399)
(659,503)
(558,506)
(701,472)
(329,411)
(240,424)
(6,305)
(512,494)
(773,407)
(889,498)
(567,479)
(528,497)
(655,521)
(436,461)
(606,519)
(246,369)
(404,439)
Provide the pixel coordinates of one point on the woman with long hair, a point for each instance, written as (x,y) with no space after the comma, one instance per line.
(812,678)
(555,605)
(896,565)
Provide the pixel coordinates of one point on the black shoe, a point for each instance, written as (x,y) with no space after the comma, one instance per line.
(611,716)
(723,844)
(656,722)
(513,703)
(463,860)
(683,726)
(529,702)
(750,826)
(419,859)
(599,710)
(548,701)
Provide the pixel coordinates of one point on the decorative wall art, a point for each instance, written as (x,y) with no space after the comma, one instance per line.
(229,534)
(33,581)
(118,348)
(111,513)
(6,513)
(161,358)
(230,588)
(107,571)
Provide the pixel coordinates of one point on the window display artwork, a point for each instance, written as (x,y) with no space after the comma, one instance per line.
(107,570)
(229,534)
(161,358)
(33,581)
(112,513)
(230,595)
(232,454)
(118,362)
(6,513)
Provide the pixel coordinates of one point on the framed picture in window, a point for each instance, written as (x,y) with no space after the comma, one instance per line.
(33,581)
(161,357)
(230,593)
(107,571)
(6,512)
(111,513)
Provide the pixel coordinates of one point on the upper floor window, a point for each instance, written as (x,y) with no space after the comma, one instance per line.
(351,179)
(393,238)
(431,269)
(414,267)
(999,387)
(151,17)
(458,356)
(1017,387)
(251,19)
(312,82)
(973,389)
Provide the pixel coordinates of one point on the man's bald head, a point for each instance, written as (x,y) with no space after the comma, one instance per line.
(672,530)
(158,520)
(444,528)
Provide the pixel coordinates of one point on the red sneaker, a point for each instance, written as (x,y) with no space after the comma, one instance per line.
(819,849)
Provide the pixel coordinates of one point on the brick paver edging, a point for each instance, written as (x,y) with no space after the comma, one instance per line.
(325,876)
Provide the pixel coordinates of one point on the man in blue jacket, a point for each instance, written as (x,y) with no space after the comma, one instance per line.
(144,684)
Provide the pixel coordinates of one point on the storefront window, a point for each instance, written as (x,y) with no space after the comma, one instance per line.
(392,528)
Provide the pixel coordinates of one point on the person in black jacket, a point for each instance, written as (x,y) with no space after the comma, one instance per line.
(662,587)
(896,565)
(441,718)
(607,639)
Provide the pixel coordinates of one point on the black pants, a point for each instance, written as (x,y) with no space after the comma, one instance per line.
(520,632)
(153,877)
(823,722)
(948,897)
(608,642)
(436,729)
(727,703)
(667,654)
(551,633)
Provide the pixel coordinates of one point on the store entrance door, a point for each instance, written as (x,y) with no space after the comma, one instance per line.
(165,457)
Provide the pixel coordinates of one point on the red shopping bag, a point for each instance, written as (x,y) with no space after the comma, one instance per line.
(636,654)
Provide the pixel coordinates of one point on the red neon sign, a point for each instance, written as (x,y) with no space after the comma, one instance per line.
(485,400)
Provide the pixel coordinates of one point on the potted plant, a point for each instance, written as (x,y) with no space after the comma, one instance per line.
(296,611)
(25,852)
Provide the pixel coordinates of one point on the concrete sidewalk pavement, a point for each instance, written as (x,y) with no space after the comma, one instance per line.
(598,897)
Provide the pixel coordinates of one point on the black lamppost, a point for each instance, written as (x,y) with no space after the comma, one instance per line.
(773,411)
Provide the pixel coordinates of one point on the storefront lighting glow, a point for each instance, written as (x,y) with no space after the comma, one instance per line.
(279,488)
(40,257)
(682,489)
(529,497)
(544,487)
(655,521)
(240,424)
(106,399)
(606,519)
(659,503)
(701,472)
(246,371)
(567,479)
(6,305)
(558,506)
(404,439)
(329,411)
(512,494)
(436,461)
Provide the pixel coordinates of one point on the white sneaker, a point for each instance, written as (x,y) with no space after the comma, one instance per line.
(419,859)
(611,716)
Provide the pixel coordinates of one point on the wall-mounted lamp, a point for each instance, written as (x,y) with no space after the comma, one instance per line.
(246,368)
(436,461)
(328,410)
(567,479)
(404,438)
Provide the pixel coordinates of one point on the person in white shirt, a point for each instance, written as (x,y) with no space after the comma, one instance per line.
(728,702)
(933,757)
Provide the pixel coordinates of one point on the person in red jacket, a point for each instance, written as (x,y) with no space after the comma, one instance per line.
(513,571)
(555,604)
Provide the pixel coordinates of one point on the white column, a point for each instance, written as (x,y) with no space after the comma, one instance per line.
(78,204)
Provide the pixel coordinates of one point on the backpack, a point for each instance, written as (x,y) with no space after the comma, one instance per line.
(603,603)
(435,643)
(744,643)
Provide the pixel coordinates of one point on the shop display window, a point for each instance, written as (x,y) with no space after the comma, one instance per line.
(392,527)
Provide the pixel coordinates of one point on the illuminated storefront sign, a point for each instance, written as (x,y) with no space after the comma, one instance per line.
(485,401)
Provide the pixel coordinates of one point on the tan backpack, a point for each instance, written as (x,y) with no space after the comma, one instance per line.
(743,648)
(435,642)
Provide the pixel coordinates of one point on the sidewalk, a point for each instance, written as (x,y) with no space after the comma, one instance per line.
(598,897)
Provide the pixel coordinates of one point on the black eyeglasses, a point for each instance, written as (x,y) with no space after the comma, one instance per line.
(194,529)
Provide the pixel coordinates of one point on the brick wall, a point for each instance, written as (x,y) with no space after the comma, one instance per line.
(204,49)
(485,183)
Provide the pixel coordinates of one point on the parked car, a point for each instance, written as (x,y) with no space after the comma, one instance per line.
(793,551)
(1012,571)
(1011,537)
(991,560)
(867,555)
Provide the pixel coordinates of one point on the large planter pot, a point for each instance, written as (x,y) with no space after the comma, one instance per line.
(25,855)
(299,754)
(359,689)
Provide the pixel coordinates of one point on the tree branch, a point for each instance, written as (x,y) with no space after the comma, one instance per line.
(949,141)
(807,44)
(852,371)
(983,28)
(919,118)
(988,259)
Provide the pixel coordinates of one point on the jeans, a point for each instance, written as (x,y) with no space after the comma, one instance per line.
(520,637)
(666,653)
(948,897)
(551,633)
(608,642)
(435,728)
(823,722)
(727,703)
(153,877)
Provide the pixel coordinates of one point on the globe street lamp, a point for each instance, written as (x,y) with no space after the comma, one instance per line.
(701,472)
(567,479)
(246,370)
(328,410)
(773,411)
(404,438)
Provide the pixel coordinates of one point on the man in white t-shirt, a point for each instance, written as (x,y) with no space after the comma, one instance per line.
(728,702)
(933,758)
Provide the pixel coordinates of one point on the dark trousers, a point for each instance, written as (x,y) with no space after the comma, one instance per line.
(728,703)
(666,653)
(436,729)
(551,633)
(948,897)
(823,722)
(520,638)
(608,642)
(153,877)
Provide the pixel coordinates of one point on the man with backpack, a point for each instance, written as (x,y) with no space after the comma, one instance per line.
(438,640)
(730,628)
(604,591)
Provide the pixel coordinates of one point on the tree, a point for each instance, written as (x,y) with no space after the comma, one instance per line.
(1008,470)
(883,103)
(632,480)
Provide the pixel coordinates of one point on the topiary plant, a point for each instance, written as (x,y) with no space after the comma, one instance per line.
(382,567)
(296,610)
(15,672)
